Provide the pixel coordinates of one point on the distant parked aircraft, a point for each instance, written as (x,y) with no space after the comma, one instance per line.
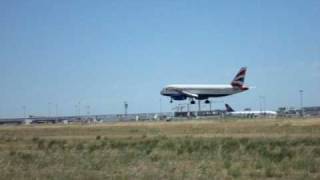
(250,113)
(204,92)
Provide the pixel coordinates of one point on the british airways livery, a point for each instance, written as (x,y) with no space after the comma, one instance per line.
(204,92)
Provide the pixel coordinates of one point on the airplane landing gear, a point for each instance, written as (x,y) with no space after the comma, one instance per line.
(192,102)
(207,101)
(171,101)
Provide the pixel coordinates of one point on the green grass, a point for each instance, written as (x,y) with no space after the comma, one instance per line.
(186,150)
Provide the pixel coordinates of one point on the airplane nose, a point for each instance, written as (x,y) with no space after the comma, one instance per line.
(161,92)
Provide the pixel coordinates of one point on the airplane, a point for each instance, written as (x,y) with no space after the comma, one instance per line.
(204,92)
(250,113)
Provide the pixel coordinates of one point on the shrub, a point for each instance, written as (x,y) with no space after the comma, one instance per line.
(35,139)
(98,137)
(56,144)
(79,146)
(227,163)
(234,172)
(25,156)
(41,144)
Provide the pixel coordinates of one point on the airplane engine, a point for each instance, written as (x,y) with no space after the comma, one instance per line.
(179,98)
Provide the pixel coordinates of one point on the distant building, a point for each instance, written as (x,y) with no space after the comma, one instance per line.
(311,111)
(288,112)
(216,113)
(292,112)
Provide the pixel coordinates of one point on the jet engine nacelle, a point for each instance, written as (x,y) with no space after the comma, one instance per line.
(179,98)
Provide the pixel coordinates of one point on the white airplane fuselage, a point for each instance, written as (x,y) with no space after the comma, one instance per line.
(249,113)
(255,113)
(182,91)
(206,91)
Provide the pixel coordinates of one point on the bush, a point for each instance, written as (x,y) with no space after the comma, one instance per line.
(98,137)
(230,145)
(234,172)
(56,145)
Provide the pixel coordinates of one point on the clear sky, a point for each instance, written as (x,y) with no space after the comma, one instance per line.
(104,52)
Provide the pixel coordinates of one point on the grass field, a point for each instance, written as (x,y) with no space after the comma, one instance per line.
(220,149)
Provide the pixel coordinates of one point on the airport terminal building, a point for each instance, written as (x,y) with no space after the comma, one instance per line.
(312,111)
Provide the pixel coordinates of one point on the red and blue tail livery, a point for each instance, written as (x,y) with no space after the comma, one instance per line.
(238,80)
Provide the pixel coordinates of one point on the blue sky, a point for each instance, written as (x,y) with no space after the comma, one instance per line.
(101,53)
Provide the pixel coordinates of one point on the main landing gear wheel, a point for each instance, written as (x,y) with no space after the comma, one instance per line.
(207,101)
(171,101)
(192,102)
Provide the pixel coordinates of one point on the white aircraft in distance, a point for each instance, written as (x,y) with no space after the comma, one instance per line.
(204,92)
(250,113)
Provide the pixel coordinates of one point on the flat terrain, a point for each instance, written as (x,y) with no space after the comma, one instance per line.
(204,149)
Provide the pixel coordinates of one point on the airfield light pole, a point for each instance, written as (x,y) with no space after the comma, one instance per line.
(79,108)
(262,101)
(88,109)
(188,109)
(260,104)
(181,106)
(75,109)
(24,110)
(56,109)
(160,106)
(301,102)
(49,108)
(126,108)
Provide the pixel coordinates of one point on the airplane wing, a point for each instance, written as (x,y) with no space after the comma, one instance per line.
(190,94)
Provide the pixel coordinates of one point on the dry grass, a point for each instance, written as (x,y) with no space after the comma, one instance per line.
(206,149)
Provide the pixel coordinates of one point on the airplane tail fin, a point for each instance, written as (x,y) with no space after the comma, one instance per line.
(238,80)
(229,108)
